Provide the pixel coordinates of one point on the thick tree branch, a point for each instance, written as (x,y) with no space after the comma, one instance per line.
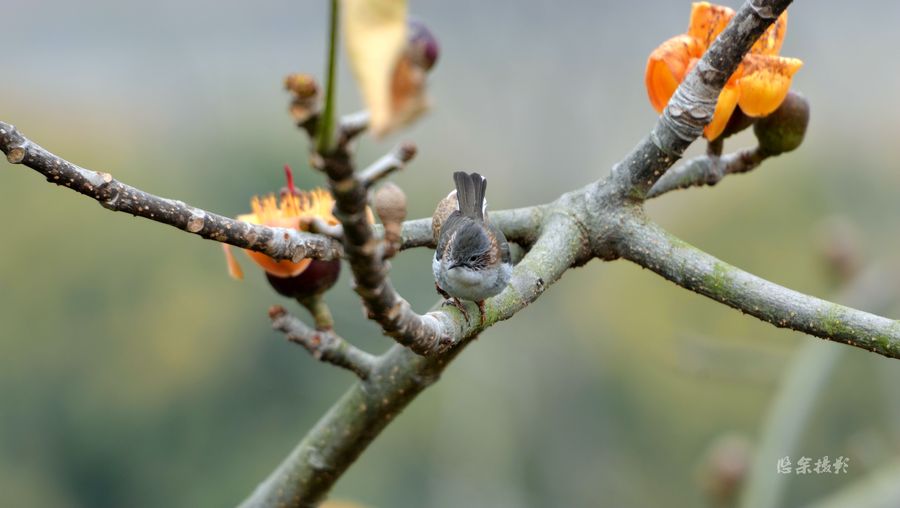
(423,334)
(652,247)
(304,478)
(279,243)
(707,170)
(324,345)
(694,102)
(308,473)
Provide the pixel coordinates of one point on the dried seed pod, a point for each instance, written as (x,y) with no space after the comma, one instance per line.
(422,46)
(390,205)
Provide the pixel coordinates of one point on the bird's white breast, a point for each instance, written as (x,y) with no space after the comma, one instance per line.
(469,284)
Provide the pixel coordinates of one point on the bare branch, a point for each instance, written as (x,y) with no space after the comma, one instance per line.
(279,243)
(652,247)
(707,170)
(423,334)
(324,345)
(393,161)
(351,126)
(694,102)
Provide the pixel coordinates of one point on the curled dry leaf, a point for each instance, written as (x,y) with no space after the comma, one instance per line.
(392,87)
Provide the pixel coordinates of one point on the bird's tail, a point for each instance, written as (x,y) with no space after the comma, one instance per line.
(470,190)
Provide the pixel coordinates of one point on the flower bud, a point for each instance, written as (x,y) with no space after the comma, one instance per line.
(783,130)
(390,205)
(318,277)
(422,45)
(302,86)
(304,96)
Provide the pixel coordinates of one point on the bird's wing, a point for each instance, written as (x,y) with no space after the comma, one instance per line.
(449,224)
(501,243)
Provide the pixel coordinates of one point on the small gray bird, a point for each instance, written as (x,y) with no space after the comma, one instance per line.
(472,259)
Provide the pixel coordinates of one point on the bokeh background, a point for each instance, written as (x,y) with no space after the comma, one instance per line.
(134,372)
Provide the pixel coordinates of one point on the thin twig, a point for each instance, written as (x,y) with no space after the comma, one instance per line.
(324,345)
(319,311)
(279,243)
(387,164)
(707,170)
(351,126)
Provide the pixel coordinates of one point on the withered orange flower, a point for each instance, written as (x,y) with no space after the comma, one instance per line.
(758,86)
(294,209)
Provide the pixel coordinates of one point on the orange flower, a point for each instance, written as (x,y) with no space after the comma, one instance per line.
(758,86)
(293,210)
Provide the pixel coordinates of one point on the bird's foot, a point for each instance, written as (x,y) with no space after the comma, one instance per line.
(441,291)
(481,311)
(456,302)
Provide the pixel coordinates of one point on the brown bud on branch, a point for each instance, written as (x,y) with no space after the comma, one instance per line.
(390,205)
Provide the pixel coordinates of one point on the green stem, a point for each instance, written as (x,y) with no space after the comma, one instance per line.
(319,311)
(325,133)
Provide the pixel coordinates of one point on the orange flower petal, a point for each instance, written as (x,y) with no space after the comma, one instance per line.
(708,21)
(667,66)
(728,100)
(765,83)
(771,41)
(282,268)
(234,269)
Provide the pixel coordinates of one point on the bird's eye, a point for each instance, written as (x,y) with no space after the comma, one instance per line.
(473,259)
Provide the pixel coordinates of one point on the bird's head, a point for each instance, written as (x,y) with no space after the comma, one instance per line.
(472,248)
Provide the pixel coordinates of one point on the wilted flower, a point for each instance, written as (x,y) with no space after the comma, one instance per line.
(391,57)
(758,86)
(294,209)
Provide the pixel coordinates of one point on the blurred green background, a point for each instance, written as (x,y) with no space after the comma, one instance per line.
(134,372)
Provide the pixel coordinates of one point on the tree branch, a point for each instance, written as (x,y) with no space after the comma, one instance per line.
(694,102)
(323,345)
(707,170)
(383,167)
(652,247)
(279,243)
(304,478)
(423,334)
(804,382)
(398,376)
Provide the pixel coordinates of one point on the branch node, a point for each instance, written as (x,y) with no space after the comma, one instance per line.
(16,155)
(196,222)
